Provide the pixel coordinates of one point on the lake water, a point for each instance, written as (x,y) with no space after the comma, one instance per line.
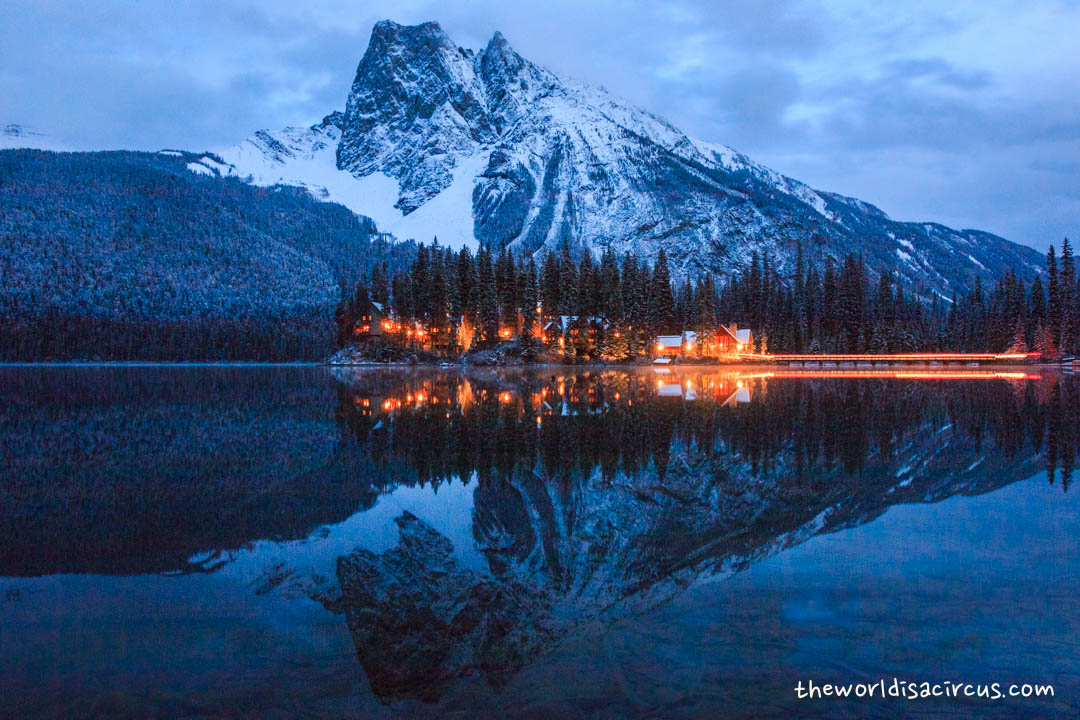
(309,542)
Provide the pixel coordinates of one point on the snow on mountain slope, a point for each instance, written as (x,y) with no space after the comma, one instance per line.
(307,157)
(485,146)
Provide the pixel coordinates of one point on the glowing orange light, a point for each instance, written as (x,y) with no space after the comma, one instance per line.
(909,357)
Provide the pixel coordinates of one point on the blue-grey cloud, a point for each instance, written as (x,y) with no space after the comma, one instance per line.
(964,112)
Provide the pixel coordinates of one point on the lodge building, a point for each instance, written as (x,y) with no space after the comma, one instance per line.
(727,342)
(559,331)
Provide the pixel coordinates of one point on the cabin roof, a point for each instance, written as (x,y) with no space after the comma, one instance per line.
(740,335)
(670,341)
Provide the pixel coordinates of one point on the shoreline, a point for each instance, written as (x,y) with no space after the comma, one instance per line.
(162,363)
(446,365)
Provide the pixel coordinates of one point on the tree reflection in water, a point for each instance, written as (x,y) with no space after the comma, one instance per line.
(600,493)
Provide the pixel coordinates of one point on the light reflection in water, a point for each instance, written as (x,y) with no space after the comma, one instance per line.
(465,525)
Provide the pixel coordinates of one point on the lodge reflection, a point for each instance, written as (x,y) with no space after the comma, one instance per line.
(602,493)
(450,425)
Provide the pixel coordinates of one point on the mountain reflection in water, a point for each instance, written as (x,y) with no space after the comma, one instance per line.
(596,494)
(601,493)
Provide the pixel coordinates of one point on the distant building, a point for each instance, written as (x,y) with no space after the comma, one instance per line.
(370,322)
(670,345)
(727,341)
(731,339)
(566,329)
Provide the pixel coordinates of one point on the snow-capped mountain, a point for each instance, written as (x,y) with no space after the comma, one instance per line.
(486,146)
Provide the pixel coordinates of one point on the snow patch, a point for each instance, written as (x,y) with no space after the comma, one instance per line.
(200,169)
(307,157)
(447,216)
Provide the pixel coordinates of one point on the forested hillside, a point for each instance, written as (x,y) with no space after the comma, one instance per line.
(131,256)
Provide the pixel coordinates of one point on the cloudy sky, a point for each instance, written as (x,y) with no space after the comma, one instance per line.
(965,112)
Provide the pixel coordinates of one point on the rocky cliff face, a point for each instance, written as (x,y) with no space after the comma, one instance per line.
(488,147)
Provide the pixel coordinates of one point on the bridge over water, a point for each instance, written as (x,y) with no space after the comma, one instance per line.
(885,359)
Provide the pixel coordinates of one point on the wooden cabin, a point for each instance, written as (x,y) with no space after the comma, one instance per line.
(370,322)
(731,340)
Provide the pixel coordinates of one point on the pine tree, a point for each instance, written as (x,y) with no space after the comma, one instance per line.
(1044,343)
(505,288)
(587,288)
(380,287)
(611,305)
(852,303)
(1019,341)
(488,302)
(529,301)
(704,322)
(661,300)
(551,286)
(1053,295)
(632,285)
(568,277)
(1070,312)
(466,278)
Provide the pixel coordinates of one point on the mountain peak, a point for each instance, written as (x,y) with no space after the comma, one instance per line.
(518,157)
(390,32)
(415,108)
(498,51)
(498,43)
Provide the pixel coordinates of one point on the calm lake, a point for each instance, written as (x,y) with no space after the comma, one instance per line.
(315,542)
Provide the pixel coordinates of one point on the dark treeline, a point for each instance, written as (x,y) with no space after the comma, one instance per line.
(841,309)
(834,308)
(120,469)
(567,427)
(474,296)
(132,256)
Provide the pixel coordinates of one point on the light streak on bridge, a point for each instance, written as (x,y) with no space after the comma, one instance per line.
(899,375)
(893,357)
